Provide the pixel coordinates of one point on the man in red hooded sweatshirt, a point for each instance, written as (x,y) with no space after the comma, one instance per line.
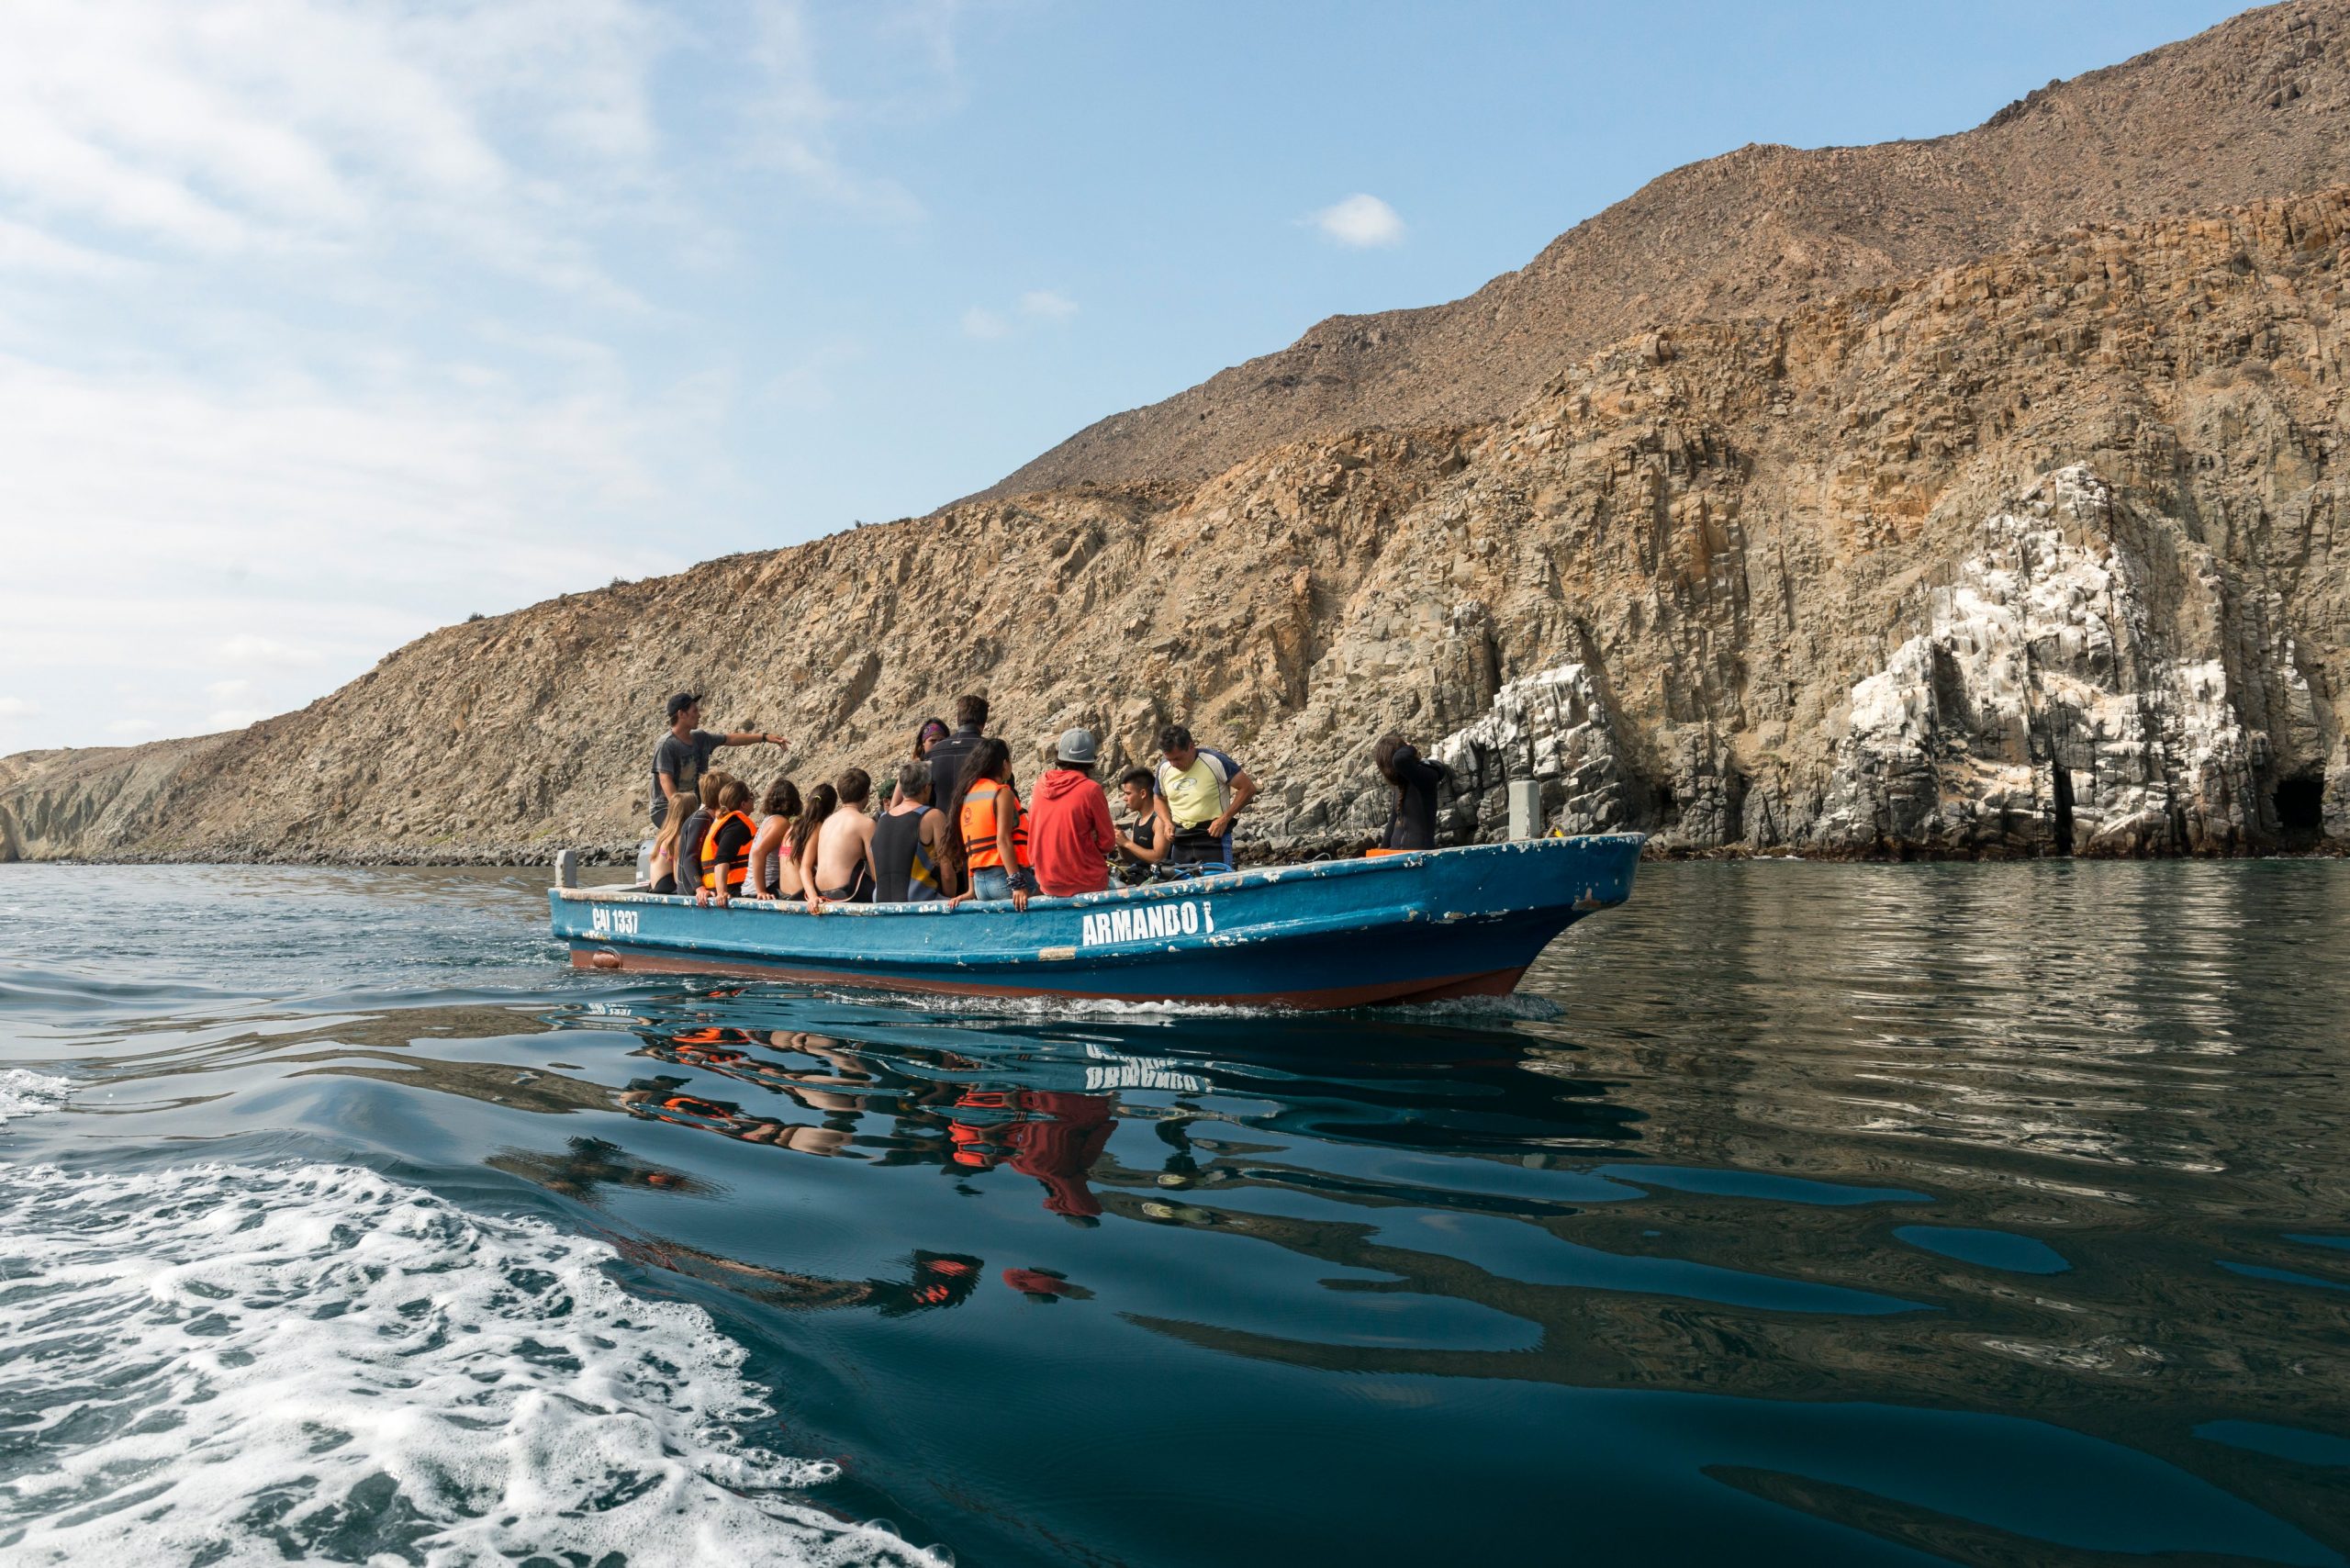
(1070,835)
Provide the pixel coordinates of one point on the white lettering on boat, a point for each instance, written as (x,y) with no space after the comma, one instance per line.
(604,922)
(1145,922)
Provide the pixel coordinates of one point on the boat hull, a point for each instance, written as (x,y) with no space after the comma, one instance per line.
(1339,933)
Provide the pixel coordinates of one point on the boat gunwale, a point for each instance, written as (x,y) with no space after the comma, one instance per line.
(1222,882)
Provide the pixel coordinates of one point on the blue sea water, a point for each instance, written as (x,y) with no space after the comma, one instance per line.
(1790,1214)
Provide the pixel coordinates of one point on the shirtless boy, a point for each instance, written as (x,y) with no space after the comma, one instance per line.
(844,846)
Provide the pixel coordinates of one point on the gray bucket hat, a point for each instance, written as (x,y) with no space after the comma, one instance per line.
(1077,745)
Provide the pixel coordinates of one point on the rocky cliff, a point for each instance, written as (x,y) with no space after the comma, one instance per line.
(2252,109)
(2031,554)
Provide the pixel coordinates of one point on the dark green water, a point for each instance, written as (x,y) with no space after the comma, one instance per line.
(1796,1214)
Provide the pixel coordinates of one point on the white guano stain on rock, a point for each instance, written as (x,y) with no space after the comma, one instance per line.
(2042,709)
(1945,566)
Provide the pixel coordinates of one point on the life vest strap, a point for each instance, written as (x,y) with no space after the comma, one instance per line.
(737,871)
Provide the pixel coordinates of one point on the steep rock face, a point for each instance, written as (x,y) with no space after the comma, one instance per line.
(1735,529)
(1869,578)
(1552,726)
(2252,109)
(2046,707)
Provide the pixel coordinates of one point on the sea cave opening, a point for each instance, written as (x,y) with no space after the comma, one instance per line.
(2300,804)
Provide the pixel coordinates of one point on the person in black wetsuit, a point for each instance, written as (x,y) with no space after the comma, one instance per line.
(907,863)
(1411,820)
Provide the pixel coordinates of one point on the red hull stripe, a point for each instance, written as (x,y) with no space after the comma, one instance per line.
(1491,983)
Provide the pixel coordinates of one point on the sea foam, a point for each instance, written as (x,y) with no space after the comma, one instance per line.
(240,1365)
(24,1091)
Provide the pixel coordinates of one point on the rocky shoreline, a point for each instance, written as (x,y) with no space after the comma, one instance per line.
(2026,557)
(610,855)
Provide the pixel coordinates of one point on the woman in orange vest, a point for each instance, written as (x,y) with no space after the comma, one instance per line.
(993,825)
(725,849)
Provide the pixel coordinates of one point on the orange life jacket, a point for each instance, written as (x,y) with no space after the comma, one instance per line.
(980,848)
(737,871)
(678,1105)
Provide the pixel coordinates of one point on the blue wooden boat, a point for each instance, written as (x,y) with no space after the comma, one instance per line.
(1410,927)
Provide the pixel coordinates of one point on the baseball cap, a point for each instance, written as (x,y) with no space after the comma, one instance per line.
(681,703)
(1077,745)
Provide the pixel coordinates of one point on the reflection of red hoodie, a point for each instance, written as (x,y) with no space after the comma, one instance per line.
(1059,1151)
(1070,835)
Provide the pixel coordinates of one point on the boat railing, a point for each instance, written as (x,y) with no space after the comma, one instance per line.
(567,888)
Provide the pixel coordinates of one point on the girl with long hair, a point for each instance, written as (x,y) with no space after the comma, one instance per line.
(992,825)
(1411,817)
(665,844)
(774,873)
(822,801)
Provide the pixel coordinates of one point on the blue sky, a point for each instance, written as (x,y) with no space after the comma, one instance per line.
(322,324)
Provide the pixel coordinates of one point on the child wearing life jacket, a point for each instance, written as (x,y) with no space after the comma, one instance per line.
(993,826)
(726,845)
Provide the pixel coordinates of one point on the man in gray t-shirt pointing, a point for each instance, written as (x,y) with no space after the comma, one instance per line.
(680,761)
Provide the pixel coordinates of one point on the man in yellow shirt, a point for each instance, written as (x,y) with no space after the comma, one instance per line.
(1205,789)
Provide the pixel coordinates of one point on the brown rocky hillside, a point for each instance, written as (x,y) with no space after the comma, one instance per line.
(2252,109)
(2034,552)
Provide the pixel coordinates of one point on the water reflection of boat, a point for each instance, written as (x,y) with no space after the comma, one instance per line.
(1413,928)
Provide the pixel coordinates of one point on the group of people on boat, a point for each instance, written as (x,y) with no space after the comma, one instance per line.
(955,826)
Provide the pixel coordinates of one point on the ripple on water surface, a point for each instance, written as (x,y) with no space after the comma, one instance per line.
(1800,1213)
(227,1364)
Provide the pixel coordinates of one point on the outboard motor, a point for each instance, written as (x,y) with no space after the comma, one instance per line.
(645,863)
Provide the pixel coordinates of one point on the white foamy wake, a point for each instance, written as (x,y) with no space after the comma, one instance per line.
(1103,1007)
(1513,1006)
(23,1091)
(239,1366)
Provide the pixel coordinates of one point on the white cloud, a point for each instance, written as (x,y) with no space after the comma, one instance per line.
(790,123)
(1360,221)
(1038,305)
(313,327)
(807,385)
(307,127)
(258,546)
(24,248)
(251,648)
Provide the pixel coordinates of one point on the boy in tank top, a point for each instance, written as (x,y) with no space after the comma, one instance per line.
(905,843)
